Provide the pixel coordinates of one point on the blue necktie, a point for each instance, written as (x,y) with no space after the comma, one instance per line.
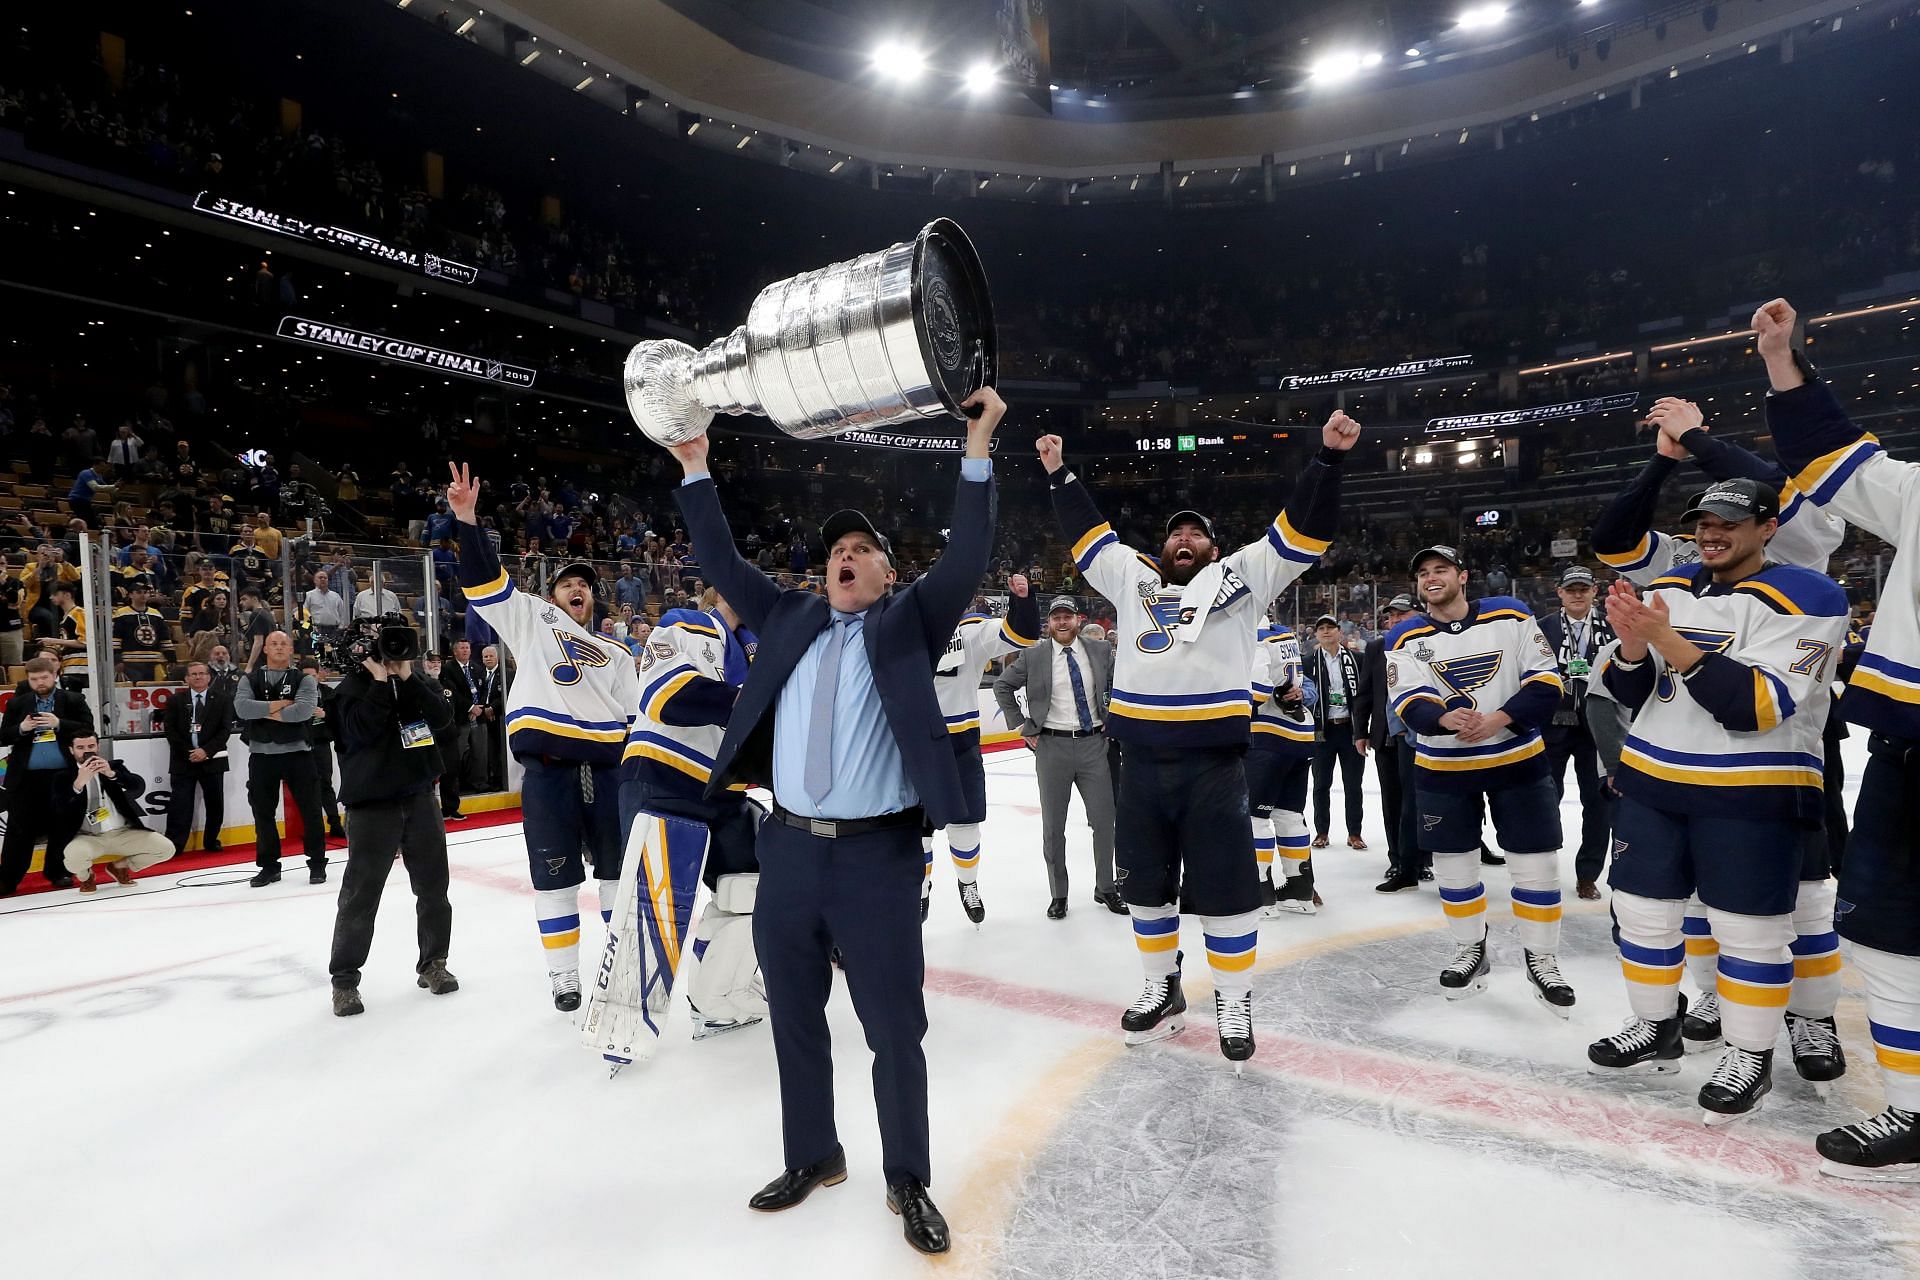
(1079,693)
(826,682)
(196,721)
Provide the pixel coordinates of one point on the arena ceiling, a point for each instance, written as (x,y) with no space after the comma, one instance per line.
(1134,85)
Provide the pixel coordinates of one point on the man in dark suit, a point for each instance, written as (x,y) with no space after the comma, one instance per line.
(493,697)
(1068,682)
(1335,671)
(1376,729)
(39,721)
(197,725)
(839,716)
(466,756)
(1577,633)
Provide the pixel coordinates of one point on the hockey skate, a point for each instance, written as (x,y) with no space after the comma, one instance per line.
(1157,1013)
(970,901)
(1467,975)
(1234,1017)
(1817,1054)
(1740,1080)
(1295,898)
(1549,988)
(566,989)
(705,1028)
(1700,1029)
(1640,1047)
(1883,1149)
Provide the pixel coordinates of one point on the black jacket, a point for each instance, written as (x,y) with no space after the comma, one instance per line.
(1570,716)
(216,728)
(123,789)
(75,718)
(368,719)
(462,695)
(1370,699)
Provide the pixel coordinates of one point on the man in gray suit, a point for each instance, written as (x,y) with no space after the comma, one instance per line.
(1068,681)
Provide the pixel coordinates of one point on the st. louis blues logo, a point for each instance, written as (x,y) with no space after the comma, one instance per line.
(1463,675)
(1704,640)
(577,654)
(1163,615)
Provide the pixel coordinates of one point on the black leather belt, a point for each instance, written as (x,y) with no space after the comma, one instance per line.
(840,828)
(1072,733)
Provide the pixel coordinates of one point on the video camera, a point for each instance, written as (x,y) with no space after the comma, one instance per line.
(390,637)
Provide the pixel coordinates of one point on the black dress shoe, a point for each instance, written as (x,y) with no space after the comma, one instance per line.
(1112,901)
(212,846)
(795,1185)
(1488,858)
(925,1228)
(1398,881)
(1426,874)
(1057,909)
(265,877)
(61,882)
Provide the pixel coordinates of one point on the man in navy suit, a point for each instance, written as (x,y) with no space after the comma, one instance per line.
(839,717)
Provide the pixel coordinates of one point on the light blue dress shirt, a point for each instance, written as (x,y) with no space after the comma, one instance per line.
(869,777)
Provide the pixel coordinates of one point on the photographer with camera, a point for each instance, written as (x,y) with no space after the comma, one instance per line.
(389,718)
(100,808)
(275,703)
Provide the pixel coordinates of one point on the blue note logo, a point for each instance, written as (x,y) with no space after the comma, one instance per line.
(577,656)
(1462,676)
(1163,615)
(1706,641)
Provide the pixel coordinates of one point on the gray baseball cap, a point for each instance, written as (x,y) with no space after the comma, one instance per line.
(1063,602)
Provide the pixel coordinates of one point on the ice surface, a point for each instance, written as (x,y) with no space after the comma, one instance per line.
(179,1086)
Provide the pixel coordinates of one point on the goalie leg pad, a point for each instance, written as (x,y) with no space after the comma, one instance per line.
(651,915)
(725,985)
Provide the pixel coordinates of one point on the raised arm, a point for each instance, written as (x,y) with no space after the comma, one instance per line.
(1623,535)
(1301,533)
(1109,565)
(944,591)
(1808,536)
(751,593)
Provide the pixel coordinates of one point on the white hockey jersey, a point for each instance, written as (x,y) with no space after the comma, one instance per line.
(691,670)
(978,640)
(1181,675)
(573,693)
(1739,734)
(1493,659)
(1845,470)
(1276,664)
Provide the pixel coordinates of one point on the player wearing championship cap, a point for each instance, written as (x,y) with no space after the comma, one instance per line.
(978,640)
(1725,667)
(567,717)
(1475,681)
(1625,539)
(1845,471)
(1182,707)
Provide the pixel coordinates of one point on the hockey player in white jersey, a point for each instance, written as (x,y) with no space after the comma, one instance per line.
(692,667)
(1181,706)
(1475,681)
(978,640)
(1279,767)
(1624,537)
(567,716)
(1725,667)
(1845,471)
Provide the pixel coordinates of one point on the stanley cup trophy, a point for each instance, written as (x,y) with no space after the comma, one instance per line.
(890,336)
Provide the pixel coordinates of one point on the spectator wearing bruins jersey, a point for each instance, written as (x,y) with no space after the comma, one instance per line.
(1476,681)
(692,665)
(139,635)
(251,565)
(1807,536)
(978,640)
(1725,668)
(1846,470)
(1279,767)
(1182,707)
(567,716)
(71,644)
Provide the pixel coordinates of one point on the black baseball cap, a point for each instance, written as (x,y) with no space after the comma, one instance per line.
(841,523)
(1194,516)
(1736,500)
(1576,575)
(575,569)
(1326,620)
(1402,603)
(1450,554)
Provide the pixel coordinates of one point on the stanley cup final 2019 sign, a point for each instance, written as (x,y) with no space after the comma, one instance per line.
(382,347)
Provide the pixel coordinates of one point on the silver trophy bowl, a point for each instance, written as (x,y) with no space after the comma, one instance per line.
(884,338)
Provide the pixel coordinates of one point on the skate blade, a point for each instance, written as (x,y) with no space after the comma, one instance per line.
(1721,1119)
(1651,1067)
(1562,1013)
(1861,1173)
(1714,1045)
(1239,1069)
(1822,1089)
(1298,908)
(1171,1027)
(1467,992)
(708,1030)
